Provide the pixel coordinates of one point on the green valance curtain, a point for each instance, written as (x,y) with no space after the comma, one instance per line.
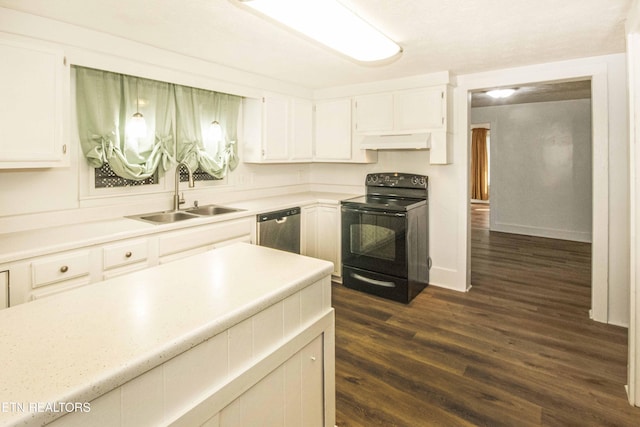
(196,110)
(107,101)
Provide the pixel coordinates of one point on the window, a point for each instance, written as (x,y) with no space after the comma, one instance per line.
(133,129)
(105,177)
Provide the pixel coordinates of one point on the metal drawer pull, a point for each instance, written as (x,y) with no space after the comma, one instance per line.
(64,269)
(128,255)
(373,281)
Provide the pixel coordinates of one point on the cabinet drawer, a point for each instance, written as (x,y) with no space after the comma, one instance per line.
(58,268)
(124,253)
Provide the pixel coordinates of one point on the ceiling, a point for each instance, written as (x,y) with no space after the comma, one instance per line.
(536,92)
(461,36)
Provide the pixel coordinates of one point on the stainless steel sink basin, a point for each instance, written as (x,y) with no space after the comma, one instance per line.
(174,216)
(166,217)
(209,210)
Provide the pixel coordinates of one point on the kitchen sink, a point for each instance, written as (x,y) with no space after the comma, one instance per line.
(166,217)
(174,216)
(212,210)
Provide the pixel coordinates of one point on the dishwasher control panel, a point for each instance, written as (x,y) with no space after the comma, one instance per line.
(268,216)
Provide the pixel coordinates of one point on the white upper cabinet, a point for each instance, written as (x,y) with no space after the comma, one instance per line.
(417,110)
(333,136)
(333,130)
(277,129)
(407,119)
(401,112)
(34,83)
(302,130)
(374,113)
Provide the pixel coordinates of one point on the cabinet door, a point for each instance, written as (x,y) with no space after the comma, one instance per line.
(374,113)
(276,133)
(33,78)
(312,392)
(333,130)
(4,289)
(309,227)
(419,109)
(329,236)
(301,138)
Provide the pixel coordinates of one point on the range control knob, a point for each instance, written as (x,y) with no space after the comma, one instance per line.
(414,180)
(422,180)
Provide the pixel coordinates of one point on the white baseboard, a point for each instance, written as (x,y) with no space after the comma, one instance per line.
(577,236)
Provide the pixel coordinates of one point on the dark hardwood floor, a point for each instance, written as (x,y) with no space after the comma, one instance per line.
(517,350)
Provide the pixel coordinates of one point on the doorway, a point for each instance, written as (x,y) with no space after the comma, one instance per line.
(479,174)
(522,157)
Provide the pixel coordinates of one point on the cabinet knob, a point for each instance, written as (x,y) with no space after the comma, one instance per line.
(64,269)
(313,358)
(128,255)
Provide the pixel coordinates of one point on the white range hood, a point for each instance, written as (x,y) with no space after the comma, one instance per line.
(413,141)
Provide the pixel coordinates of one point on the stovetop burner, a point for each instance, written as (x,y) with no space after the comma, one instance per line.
(392,191)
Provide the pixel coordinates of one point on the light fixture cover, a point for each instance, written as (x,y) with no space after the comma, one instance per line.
(332,24)
(216,131)
(137,127)
(501,93)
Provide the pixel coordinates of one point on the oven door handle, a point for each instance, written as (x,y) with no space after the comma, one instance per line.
(375,282)
(365,211)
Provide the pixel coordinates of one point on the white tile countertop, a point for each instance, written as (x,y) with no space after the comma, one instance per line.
(75,346)
(25,244)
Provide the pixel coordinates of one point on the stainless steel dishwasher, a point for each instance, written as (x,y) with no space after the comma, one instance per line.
(280,230)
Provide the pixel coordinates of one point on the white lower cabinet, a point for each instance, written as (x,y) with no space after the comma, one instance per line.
(4,289)
(292,395)
(273,369)
(321,234)
(194,240)
(46,275)
(309,231)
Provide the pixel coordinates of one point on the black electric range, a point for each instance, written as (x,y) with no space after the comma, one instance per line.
(385,236)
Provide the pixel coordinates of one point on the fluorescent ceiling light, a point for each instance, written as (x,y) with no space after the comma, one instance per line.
(332,24)
(501,93)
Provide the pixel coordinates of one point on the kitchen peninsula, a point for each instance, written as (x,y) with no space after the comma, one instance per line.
(226,337)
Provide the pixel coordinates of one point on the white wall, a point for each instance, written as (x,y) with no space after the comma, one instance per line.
(540,168)
(633,52)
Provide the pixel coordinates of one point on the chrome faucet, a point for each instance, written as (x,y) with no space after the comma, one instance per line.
(177,201)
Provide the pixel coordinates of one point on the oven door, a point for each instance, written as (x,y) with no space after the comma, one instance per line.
(375,240)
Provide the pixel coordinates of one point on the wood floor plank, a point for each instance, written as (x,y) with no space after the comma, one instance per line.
(517,350)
